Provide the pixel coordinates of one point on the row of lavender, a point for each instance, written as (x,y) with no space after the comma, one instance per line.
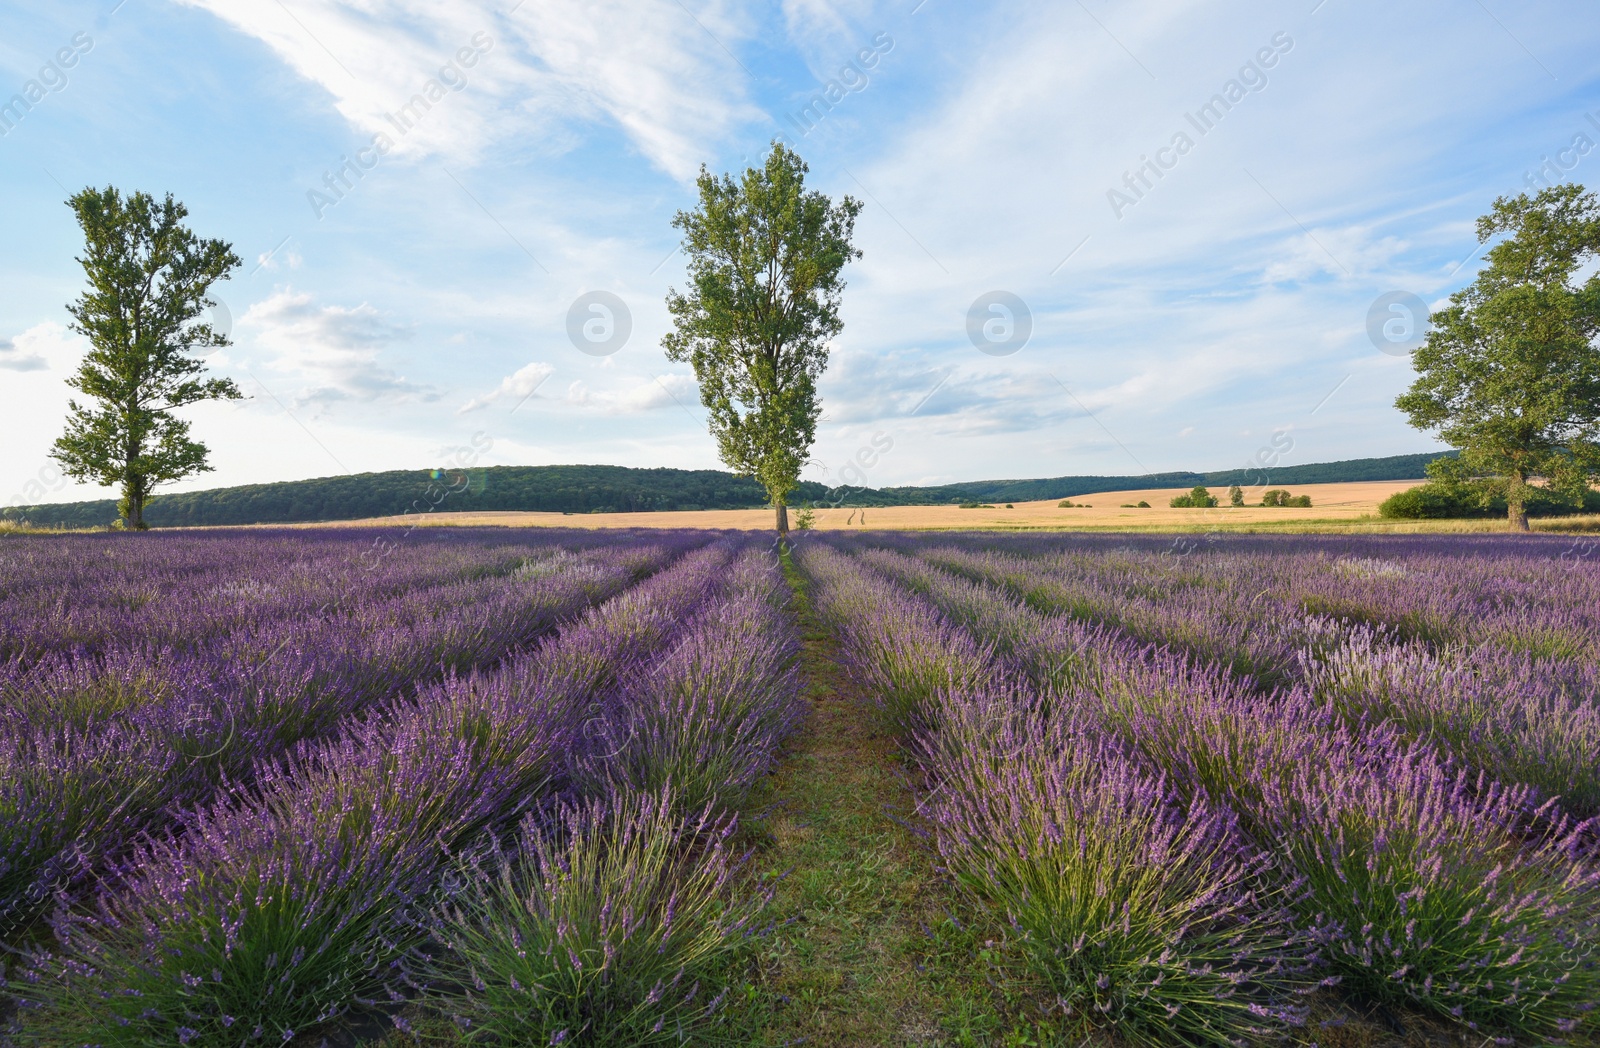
(99,743)
(540,841)
(90,592)
(1180,850)
(1242,603)
(1506,673)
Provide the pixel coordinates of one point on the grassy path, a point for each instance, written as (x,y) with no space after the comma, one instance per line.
(872,955)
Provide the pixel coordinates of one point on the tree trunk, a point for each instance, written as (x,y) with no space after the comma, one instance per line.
(132,505)
(783,519)
(1515,511)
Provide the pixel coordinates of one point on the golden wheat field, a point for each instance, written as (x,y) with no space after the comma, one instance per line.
(1332,505)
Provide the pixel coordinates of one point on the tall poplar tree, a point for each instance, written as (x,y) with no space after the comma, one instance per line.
(150,279)
(763,302)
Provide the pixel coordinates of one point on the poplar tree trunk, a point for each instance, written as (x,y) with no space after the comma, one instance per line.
(783,519)
(132,506)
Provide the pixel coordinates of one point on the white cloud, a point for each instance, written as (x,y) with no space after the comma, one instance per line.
(286,257)
(14,359)
(670,390)
(1343,253)
(828,31)
(656,70)
(643,395)
(517,387)
(335,349)
(43,347)
(955,399)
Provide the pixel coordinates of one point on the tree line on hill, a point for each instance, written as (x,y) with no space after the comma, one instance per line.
(620,489)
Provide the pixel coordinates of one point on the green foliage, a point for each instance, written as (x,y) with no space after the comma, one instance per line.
(806,519)
(1279,497)
(550,489)
(1198,498)
(605,931)
(1235,495)
(1509,371)
(1483,497)
(150,279)
(1421,885)
(763,303)
(1133,913)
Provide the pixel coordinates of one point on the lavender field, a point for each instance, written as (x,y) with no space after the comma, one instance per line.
(1199,783)
(486,786)
(256,785)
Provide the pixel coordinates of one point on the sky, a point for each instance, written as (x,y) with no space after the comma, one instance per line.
(1098,237)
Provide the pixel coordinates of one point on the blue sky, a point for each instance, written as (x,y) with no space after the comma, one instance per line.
(1194,298)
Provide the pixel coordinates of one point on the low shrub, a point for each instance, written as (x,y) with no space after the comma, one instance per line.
(1197,498)
(1479,498)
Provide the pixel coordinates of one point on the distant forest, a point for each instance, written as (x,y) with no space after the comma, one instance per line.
(619,489)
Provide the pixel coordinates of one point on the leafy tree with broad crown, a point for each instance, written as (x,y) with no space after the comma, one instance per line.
(149,281)
(762,304)
(1510,372)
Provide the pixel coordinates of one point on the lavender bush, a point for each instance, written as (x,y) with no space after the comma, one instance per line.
(902,651)
(1437,897)
(1139,909)
(604,929)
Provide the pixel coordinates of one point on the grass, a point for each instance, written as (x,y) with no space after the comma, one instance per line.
(10,526)
(873,947)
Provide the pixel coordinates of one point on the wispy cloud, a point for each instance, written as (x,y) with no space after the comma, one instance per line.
(43,347)
(661,72)
(516,387)
(13,358)
(952,398)
(336,350)
(664,391)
